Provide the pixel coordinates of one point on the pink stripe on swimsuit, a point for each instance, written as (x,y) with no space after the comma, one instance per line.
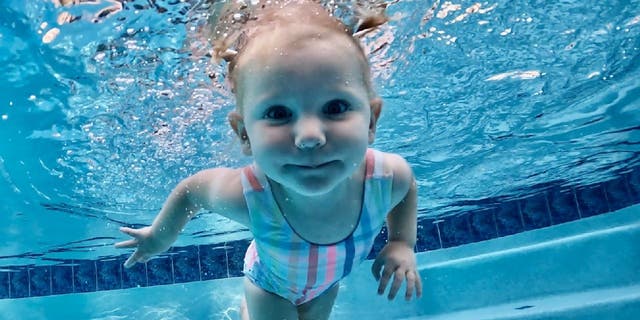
(281,262)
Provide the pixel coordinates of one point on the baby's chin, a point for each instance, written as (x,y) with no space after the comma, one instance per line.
(312,186)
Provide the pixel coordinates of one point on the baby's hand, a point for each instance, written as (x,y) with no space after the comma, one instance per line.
(146,245)
(398,260)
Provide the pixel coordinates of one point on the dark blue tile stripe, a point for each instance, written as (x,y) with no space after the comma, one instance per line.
(553,206)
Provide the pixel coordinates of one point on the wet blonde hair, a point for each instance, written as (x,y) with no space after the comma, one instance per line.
(234,24)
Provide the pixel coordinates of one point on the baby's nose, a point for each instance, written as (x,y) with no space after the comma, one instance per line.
(309,133)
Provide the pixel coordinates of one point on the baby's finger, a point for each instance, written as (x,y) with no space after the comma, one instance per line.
(131,243)
(376,267)
(398,278)
(411,284)
(135,257)
(384,279)
(129,231)
(418,285)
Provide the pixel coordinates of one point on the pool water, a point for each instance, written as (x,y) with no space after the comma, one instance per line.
(518,118)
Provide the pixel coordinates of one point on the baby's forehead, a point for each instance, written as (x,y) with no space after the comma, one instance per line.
(296,37)
(286,41)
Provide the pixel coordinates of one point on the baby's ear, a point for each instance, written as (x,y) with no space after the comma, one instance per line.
(237,124)
(376,107)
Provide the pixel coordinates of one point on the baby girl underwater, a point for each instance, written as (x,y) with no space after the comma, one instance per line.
(315,196)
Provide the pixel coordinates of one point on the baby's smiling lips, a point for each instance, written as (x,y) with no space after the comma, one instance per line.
(313,165)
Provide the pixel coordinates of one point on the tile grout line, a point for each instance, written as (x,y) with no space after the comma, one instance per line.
(95,272)
(9,283)
(437,223)
(146,273)
(576,203)
(50,280)
(606,197)
(120,266)
(226,257)
(173,274)
(28,282)
(73,276)
(495,223)
(520,214)
(199,263)
(627,187)
(548,206)
(468,223)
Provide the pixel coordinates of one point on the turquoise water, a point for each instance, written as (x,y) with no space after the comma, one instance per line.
(490,102)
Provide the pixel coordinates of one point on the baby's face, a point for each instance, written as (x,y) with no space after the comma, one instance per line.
(306,109)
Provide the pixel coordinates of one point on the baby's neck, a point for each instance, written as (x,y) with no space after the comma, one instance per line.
(347,191)
(289,198)
(323,219)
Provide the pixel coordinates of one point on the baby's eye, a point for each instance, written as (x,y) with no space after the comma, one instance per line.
(277,113)
(336,107)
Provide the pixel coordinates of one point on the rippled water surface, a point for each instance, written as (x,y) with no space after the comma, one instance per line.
(106,105)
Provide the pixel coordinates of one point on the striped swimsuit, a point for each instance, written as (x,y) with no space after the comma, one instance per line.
(281,262)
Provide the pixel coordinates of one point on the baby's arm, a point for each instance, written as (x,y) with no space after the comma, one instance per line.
(218,190)
(397,257)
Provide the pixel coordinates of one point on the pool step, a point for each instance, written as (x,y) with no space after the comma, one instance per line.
(614,304)
(593,254)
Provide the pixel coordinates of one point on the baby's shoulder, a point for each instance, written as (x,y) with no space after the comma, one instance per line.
(395,165)
(220,190)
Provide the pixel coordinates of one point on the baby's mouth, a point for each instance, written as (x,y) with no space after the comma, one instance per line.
(314,165)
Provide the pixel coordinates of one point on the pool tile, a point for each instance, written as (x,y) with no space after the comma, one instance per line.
(235,256)
(482,224)
(84,275)
(19,284)
(160,271)
(40,281)
(535,212)
(4,284)
(428,235)
(508,218)
(379,243)
(562,205)
(109,273)
(591,200)
(136,276)
(455,231)
(633,181)
(186,264)
(213,261)
(617,193)
(62,278)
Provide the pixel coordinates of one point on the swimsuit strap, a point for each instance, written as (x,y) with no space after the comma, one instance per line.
(252,181)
